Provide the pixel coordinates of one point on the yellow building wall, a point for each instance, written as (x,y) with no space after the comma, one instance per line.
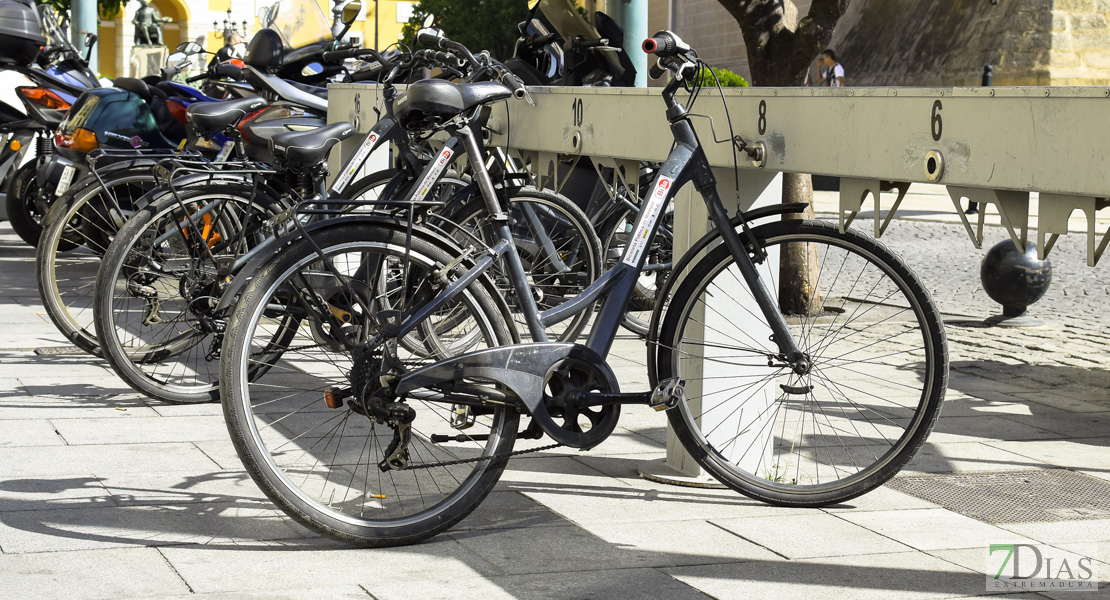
(389,20)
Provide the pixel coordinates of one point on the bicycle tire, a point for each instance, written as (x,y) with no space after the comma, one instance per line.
(78,230)
(384,508)
(881,304)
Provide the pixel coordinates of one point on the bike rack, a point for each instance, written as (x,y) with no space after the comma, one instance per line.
(992,145)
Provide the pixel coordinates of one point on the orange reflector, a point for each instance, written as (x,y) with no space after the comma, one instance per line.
(44,97)
(81,140)
(332,398)
(15,145)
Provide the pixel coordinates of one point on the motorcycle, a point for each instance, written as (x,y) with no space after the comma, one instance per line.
(34,49)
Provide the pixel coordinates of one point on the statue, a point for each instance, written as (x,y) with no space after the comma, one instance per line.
(148,25)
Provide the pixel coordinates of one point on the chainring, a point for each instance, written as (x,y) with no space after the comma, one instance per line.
(567,384)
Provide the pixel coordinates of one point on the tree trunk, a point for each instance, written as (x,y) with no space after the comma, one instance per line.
(781,49)
(798,292)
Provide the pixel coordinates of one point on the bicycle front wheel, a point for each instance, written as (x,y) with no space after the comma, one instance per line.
(310,429)
(878,376)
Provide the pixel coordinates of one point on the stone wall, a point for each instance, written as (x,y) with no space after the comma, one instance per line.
(930,42)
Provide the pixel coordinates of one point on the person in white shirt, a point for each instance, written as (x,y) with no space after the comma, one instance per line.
(830,72)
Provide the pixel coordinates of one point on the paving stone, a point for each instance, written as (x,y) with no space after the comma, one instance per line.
(21,406)
(306,563)
(811,535)
(319,592)
(558,550)
(28,432)
(910,575)
(510,510)
(182,487)
(686,542)
(965,457)
(89,575)
(99,526)
(952,429)
(48,493)
(933,529)
(631,584)
(142,430)
(54,461)
(1079,453)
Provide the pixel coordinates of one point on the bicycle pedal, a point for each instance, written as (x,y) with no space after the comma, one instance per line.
(668,394)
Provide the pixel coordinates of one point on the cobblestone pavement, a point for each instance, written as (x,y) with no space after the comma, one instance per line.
(1075,310)
(106,495)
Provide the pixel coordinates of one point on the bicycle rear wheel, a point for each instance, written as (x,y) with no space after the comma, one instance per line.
(159,283)
(305,429)
(880,368)
(78,229)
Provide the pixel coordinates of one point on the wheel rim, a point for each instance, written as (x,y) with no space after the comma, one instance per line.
(873,372)
(327,458)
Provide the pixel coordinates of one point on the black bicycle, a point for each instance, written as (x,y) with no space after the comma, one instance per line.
(393,397)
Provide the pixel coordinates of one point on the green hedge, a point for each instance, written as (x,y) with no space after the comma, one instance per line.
(726,77)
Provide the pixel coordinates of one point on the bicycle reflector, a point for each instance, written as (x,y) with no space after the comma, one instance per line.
(81,140)
(44,98)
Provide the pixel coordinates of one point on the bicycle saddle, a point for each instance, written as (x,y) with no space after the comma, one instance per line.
(215,116)
(431,101)
(310,147)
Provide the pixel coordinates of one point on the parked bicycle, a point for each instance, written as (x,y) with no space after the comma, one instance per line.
(373,392)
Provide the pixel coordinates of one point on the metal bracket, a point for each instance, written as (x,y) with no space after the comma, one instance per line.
(1013,208)
(853,193)
(1056,209)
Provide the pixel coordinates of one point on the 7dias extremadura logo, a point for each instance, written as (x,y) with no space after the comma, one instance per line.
(1031,567)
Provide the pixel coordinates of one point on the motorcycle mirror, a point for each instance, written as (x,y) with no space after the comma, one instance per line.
(429,20)
(351,11)
(189,48)
(90,39)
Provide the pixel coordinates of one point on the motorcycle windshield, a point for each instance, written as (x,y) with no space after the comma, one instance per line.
(299,22)
(566,20)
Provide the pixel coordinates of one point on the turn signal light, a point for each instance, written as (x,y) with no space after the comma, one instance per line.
(15,145)
(44,97)
(81,140)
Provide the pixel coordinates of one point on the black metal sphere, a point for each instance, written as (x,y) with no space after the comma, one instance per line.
(1013,279)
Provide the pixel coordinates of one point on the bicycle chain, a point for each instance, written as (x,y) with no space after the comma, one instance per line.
(462,461)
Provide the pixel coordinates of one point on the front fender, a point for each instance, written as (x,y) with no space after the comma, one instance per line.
(695,251)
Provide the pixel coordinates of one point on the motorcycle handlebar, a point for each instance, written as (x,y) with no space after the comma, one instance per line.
(196,78)
(430,39)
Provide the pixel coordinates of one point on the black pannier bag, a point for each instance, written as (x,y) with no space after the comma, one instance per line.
(21,36)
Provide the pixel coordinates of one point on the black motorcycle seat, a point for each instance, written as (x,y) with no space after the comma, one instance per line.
(156,100)
(145,91)
(437,100)
(319,92)
(216,116)
(284,90)
(305,148)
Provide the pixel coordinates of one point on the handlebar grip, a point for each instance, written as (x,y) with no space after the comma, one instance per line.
(196,78)
(511,81)
(656,71)
(226,70)
(338,55)
(430,39)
